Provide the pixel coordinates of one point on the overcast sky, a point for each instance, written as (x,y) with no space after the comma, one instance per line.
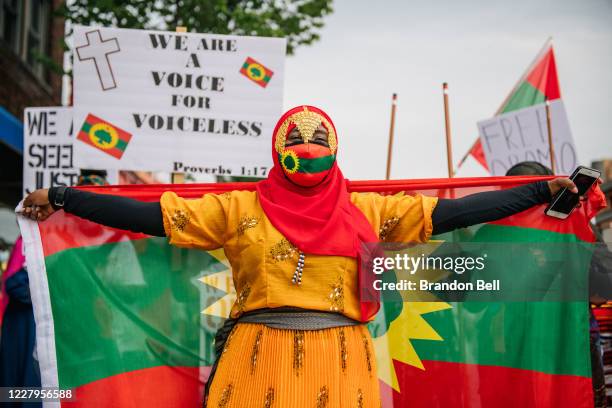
(368,50)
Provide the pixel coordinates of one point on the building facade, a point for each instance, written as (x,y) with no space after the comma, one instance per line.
(31,57)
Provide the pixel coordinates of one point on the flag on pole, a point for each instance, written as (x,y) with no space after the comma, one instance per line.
(538,83)
(126,320)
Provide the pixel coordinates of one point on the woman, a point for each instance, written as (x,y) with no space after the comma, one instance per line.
(298,334)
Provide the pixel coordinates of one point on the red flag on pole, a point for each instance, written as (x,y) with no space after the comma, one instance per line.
(538,83)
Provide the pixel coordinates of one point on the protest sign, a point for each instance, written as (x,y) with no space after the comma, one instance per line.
(180,102)
(48,153)
(522,135)
(48,158)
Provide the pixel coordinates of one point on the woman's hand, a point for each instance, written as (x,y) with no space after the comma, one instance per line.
(557,184)
(37,206)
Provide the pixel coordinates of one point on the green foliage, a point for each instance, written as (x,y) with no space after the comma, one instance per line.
(298,21)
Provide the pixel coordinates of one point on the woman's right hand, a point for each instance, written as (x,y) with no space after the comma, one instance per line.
(36,205)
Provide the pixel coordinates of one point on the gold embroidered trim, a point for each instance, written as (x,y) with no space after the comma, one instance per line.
(242,297)
(246,222)
(359,398)
(225,396)
(387,227)
(323,397)
(269,398)
(179,220)
(336,296)
(281,136)
(343,350)
(282,250)
(366,346)
(298,350)
(307,123)
(255,350)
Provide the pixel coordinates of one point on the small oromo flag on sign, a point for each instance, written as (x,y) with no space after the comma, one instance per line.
(102,135)
(256,72)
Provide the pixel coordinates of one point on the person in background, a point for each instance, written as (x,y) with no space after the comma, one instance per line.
(531,168)
(18,368)
(92,178)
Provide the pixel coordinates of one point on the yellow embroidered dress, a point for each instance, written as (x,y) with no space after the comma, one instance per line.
(265,367)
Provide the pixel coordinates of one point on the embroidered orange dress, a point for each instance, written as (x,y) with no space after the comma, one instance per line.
(266,367)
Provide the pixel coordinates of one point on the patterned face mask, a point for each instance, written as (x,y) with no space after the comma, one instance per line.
(307,164)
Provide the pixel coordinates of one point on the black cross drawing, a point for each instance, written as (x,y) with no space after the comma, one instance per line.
(98,50)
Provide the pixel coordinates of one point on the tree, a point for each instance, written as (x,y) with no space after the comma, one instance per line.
(298,21)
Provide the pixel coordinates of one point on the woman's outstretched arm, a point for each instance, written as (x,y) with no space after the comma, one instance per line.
(450,214)
(112,211)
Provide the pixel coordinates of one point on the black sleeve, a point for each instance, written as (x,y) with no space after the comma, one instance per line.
(113,211)
(18,287)
(450,214)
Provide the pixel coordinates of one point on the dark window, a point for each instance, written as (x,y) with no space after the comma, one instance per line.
(24,29)
(10,23)
(37,34)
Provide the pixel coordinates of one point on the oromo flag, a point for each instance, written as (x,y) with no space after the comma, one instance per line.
(118,316)
(104,136)
(256,72)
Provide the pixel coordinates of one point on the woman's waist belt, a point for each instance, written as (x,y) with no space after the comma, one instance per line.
(296,319)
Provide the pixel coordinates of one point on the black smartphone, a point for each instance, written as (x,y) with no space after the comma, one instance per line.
(564,202)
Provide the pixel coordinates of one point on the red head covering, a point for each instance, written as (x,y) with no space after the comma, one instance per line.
(318,220)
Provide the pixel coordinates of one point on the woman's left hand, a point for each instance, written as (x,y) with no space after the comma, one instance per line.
(562,182)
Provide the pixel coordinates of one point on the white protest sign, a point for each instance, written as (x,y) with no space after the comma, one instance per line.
(48,153)
(168,101)
(522,135)
(48,159)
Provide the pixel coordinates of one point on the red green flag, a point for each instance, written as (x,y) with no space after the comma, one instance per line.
(127,320)
(104,136)
(539,83)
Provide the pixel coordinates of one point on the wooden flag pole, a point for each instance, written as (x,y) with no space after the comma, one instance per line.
(391,131)
(449,147)
(550,139)
(178,178)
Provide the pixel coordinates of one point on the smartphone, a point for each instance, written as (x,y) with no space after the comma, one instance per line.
(564,202)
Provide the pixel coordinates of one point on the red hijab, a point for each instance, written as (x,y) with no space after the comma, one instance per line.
(319,220)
